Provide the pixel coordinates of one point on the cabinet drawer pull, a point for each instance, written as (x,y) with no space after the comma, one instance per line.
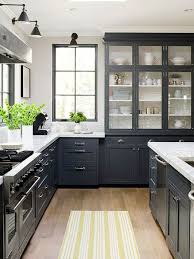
(191,195)
(176,199)
(79,143)
(80,168)
(41,195)
(121,141)
(160,161)
(80,150)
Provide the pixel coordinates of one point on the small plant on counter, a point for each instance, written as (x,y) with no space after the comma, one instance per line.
(77,117)
(29,113)
(11,115)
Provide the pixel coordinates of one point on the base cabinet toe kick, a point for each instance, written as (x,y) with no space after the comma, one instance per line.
(172,206)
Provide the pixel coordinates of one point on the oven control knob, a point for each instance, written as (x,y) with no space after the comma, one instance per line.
(38,165)
(21,182)
(17,187)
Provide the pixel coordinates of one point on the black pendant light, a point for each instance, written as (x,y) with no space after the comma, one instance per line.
(23,16)
(35,32)
(73,42)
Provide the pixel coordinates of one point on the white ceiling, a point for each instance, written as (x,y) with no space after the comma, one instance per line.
(93,18)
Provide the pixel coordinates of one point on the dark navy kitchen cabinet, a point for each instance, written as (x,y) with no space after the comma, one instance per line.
(178,231)
(78,162)
(47,172)
(146,91)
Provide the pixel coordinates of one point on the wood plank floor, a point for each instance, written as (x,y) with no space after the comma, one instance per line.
(48,237)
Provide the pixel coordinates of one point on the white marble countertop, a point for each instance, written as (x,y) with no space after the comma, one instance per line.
(175,154)
(40,142)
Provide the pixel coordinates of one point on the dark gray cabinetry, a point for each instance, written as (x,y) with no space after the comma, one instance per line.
(153,183)
(78,162)
(47,172)
(178,231)
(143,97)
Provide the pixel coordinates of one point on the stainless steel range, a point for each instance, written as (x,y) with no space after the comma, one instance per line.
(19,190)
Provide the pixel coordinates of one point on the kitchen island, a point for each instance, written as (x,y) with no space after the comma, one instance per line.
(171,182)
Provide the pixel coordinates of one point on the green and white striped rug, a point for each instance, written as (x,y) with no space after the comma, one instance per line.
(99,235)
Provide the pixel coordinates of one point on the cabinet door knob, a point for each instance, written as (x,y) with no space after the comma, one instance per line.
(121,141)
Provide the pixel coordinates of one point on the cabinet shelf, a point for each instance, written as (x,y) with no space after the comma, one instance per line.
(150,100)
(181,86)
(150,86)
(150,115)
(179,115)
(120,86)
(120,100)
(180,98)
(120,115)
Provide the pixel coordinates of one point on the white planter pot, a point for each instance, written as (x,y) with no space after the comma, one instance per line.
(14,135)
(27,135)
(77,128)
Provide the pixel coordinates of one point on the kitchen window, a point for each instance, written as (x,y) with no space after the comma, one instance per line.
(6,84)
(74,81)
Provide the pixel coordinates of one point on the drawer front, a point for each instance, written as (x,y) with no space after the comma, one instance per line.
(78,167)
(73,157)
(79,145)
(178,181)
(42,194)
(78,177)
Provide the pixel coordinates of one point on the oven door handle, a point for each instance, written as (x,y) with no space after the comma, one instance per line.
(20,201)
(33,185)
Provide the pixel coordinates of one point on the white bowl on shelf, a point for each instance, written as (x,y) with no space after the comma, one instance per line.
(177,61)
(120,61)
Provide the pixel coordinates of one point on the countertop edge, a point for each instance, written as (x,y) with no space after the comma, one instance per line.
(173,160)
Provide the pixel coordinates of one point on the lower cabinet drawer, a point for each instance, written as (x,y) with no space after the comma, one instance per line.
(78,176)
(73,157)
(42,195)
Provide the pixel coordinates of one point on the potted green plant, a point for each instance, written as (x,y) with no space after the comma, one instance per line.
(77,117)
(29,113)
(11,116)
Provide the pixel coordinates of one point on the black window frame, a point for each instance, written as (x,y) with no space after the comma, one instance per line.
(11,85)
(54,47)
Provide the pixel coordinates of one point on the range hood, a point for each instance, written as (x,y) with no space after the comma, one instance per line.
(13,49)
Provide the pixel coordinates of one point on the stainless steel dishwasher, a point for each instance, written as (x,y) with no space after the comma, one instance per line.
(161,194)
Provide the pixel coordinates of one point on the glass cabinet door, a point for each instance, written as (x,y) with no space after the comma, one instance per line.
(120,55)
(120,100)
(179,55)
(179,100)
(150,100)
(150,55)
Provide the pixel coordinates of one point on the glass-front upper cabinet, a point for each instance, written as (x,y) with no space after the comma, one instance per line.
(179,100)
(150,100)
(179,55)
(120,55)
(120,100)
(150,55)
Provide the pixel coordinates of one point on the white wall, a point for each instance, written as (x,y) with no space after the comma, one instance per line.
(5,20)
(41,77)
